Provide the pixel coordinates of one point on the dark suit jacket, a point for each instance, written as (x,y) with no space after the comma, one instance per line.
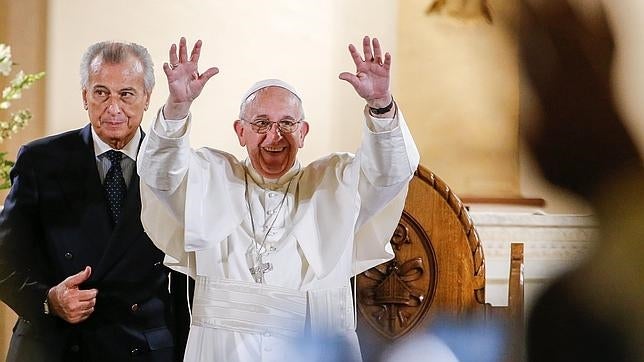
(53,224)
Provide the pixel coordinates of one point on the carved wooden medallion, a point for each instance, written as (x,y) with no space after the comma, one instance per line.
(394,296)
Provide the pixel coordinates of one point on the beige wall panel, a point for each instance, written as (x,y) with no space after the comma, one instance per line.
(458,81)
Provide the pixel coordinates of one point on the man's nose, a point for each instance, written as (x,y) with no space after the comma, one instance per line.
(113,106)
(274,134)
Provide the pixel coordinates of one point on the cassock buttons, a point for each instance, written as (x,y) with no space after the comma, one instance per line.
(134,308)
(69,255)
(136,351)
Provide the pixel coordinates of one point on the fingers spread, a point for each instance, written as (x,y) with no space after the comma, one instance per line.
(196,51)
(209,73)
(355,55)
(377,51)
(172,54)
(183,52)
(351,78)
(387,63)
(366,48)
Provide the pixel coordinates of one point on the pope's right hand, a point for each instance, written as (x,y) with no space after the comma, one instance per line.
(184,81)
(69,302)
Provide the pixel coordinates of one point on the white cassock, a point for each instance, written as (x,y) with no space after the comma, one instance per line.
(316,226)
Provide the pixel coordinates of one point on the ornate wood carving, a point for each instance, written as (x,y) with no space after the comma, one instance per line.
(446,272)
(463,216)
(394,296)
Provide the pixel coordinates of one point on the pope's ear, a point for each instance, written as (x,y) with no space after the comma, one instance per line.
(304,130)
(239,130)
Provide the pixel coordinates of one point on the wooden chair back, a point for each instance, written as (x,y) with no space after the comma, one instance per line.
(438,271)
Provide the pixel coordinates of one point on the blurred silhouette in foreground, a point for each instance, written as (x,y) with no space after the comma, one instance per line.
(451,340)
(596,311)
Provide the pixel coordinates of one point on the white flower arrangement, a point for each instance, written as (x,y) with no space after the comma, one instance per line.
(17,120)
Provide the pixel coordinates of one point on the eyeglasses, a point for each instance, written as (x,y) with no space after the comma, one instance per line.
(262,126)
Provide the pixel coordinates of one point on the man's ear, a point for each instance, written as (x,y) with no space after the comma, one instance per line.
(84,95)
(239,130)
(147,99)
(304,130)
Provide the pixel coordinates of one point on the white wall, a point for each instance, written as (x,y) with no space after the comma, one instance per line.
(301,41)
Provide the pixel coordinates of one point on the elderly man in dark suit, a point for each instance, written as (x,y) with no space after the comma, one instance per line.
(75,263)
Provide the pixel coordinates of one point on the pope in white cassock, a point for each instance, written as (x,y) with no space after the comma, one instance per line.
(271,243)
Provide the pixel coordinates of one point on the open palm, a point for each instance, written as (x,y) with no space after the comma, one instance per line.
(371,80)
(184,81)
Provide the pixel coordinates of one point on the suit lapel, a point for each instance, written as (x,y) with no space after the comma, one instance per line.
(83,191)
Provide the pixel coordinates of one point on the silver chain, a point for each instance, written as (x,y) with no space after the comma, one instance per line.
(260,248)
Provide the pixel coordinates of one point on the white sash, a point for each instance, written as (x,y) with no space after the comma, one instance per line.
(248,307)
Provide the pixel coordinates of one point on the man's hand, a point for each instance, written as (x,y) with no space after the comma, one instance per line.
(371,80)
(184,81)
(70,303)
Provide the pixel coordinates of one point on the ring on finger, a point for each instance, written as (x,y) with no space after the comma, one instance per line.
(172,66)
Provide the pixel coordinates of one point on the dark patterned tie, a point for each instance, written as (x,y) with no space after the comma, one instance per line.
(114,185)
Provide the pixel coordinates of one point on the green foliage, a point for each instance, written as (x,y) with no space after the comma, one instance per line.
(16,120)
(5,168)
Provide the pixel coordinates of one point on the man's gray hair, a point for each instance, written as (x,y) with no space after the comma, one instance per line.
(114,52)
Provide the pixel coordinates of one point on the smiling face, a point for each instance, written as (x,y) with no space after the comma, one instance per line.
(272,154)
(115,99)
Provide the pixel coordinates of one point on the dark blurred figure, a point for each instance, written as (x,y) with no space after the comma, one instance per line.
(596,311)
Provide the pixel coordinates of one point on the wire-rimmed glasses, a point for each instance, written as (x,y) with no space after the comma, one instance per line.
(262,126)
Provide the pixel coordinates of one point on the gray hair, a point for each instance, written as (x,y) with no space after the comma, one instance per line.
(113,52)
(250,100)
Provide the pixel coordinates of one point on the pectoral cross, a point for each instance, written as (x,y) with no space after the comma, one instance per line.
(259,271)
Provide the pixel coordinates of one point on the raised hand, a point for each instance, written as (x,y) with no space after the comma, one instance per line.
(371,80)
(69,302)
(184,81)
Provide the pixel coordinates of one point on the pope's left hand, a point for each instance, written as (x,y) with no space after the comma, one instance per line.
(371,80)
